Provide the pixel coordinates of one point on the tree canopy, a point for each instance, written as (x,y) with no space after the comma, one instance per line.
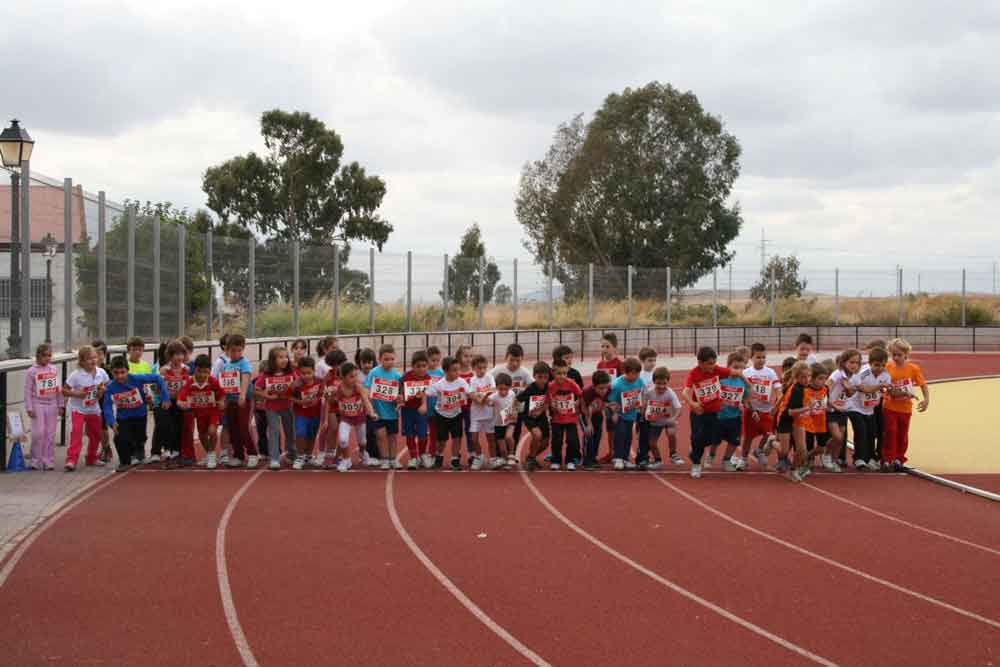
(646,182)
(786,282)
(469,266)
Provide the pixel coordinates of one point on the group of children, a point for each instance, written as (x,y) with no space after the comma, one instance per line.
(307,410)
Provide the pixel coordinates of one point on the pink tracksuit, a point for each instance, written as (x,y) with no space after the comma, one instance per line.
(43,396)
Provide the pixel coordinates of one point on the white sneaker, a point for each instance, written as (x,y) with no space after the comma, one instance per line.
(427,460)
(655,465)
(210,461)
(696,471)
(570,466)
(136,460)
(729,466)
(477,463)
(630,466)
(496,462)
(155,458)
(860,465)
(275,464)
(299,463)
(676,459)
(365,459)
(224,458)
(344,465)
(874,466)
(252,461)
(828,463)
(413,464)
(234,463)
(554,466)
(386,464)
(619,464)
(373,462)
(512,461)
(739,462)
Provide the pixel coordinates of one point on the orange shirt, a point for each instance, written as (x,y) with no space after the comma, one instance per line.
(909,377)
(815,419)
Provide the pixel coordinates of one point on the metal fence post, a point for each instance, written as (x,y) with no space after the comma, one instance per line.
(371,290)
(252,287)
(730,283)
(444,292)
(628,287)
(102,266)
(590,294)
(715,298)
(130,281)
(156,277)
(482,288)
(514,295)
(67,263)
(295,286)
(409,290)
(963,297)
(836,297)
(181,279)
(552,312)
(26,350)
(773,296)
(899,294)
(211,284)
(336,289)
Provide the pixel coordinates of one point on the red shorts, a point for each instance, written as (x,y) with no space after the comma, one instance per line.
(204,422)
(754,427)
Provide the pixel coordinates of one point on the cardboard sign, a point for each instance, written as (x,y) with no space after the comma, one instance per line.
(15,427)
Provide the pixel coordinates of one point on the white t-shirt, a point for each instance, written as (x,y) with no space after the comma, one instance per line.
(451,396)
(217,365)
(521,378)
(82,380)
(321,369)
(863,402)
(838,401)
(504,410)
(481,385)
(660,409)
(646,377)
(763,384)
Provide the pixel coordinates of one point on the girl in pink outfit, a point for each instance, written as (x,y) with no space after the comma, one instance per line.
(43,400)
(84,388)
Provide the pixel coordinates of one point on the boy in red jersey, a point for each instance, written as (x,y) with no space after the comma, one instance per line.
(611,364)
(703,394)
(307,406)
(202,400)
(415,383)
(564,405)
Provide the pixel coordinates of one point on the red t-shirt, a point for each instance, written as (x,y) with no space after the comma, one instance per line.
(562,398)
(414,388)
(204,398)
(593,403)
(175,379)
(313,394)
(706,387)
(279,384)
(351,408)
(612,368)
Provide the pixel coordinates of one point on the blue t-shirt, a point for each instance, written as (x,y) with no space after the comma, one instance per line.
(730,411)
(128,400)
(437,373)
(240,365)
(628,395)
(386,409)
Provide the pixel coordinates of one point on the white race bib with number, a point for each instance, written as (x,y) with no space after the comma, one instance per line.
(451,400)
(384,390)
(46,384)
(564,406)
(760,390)
(657,410)
(128,400)
(277,384)
(415,388)
(630,400)
(708,391)
(508,416)
(817,406)
(90,396)
(871,400)
(230,381)
(535,403)
(731,396)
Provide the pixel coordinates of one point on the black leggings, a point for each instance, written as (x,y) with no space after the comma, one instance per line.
(864,435)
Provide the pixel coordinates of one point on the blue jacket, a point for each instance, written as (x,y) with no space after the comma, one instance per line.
(129,399)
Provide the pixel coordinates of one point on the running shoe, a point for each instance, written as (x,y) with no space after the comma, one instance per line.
(695,471)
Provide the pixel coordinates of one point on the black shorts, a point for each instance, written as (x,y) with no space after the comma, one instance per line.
(391,426)
(731,430)
(785,425)
(838,418)
(705,429)
(541,423)
(448,427)
(816,440)
(500,432)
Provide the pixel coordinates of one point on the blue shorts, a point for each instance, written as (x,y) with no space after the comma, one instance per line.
(414,423)
(391,426)
(306,428)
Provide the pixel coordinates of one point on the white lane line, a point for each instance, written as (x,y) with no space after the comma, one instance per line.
(443,579)
(677,588)
(828,561)
(29,537)
(221,569)
(904,522)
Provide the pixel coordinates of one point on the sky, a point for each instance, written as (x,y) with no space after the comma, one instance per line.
(870,131)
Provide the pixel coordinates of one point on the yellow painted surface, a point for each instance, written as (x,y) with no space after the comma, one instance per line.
(960,432)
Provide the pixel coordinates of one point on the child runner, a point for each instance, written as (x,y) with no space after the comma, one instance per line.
(353,408)
(520,378)
(611,364)
(565,353)
(501,440)
(765,388)
(625,401)
(703,394)
(594,398)
(43,401)
(435,372)
(323,346)
(415,383)
(647,357)
(481,417)
(274,387)
(660,409)
(171,421)
(564,403)
(533,402)
(101,348)
(85,389)
(817,435)
(233,375)
(735,398)
(300,350)
(451,393)
(124,406)
(793,416)
(465,371)
(898,407)
(869,384)
(804,349)
(202,401)
(188,344)
(383,385)
(159,448)
(307,406)
(365,361)
(840,396)
(328,430)
(135,347)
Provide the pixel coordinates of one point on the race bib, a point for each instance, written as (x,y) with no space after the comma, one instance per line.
(46,384)
(152,390)
(451,399)
(871,400)
(309,395)
(90,397)
(564,406)
(384,390)
(517,385)
(230,381)
(128,400)
(535,403)
(657,410)
(352,407)
(708,391)
(731,396)
(508,416)
(202,399)
(760,390)
(903,390)
(174,384)
(415,388)
(630,400)
(817,406)
(277,384)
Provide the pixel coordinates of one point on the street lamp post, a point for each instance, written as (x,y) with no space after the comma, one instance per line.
(50,254)
(16,146)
